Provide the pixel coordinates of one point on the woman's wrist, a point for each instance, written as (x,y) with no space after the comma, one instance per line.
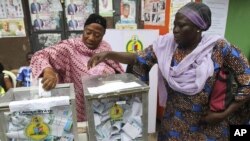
(234,106)
(109,55)
(49,71)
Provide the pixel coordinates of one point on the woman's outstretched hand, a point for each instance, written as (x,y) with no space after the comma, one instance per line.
(49,79)
(96,59)
(215,117)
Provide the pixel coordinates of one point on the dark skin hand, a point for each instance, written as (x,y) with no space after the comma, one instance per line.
(8,83)
(122,57)
(215,117)
(96,59)
(49,80)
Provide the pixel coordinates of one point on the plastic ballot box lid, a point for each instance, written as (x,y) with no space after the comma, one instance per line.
(110,85)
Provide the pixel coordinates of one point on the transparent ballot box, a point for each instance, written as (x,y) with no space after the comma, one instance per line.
(26,116)
(117,107)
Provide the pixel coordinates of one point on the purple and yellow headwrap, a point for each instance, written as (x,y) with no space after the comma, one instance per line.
(197,13)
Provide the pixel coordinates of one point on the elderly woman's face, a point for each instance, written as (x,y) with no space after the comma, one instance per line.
(92,35)
(184,30)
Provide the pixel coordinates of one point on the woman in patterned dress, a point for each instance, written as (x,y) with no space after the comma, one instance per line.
(188,62)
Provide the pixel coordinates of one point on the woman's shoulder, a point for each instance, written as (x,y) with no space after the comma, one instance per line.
(225,47)
(164,41)
(222,43)
(73,44)
(70,43)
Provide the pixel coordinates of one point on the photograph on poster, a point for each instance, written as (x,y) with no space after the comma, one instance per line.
(128,11)
(45,14)
(48,39)
(84,9)
(35,7)
(75,22)
(11,9)
(44,6)
(12,28)
(72,23)
(20,31)
(106,8)
(154,12)
(72,8)
(78,7)
(49,21)
(38,23)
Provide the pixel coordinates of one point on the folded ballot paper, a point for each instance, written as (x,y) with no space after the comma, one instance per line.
(41,119)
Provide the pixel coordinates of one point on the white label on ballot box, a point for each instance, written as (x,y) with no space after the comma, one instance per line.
(38,104)
(111,87)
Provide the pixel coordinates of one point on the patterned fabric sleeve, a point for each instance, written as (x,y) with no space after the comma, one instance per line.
(238,63)
(55,57)
(144,62)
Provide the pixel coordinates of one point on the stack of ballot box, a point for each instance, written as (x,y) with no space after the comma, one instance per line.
(27,114)
(117,107)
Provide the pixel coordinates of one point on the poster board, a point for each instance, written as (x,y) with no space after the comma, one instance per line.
(164,28)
